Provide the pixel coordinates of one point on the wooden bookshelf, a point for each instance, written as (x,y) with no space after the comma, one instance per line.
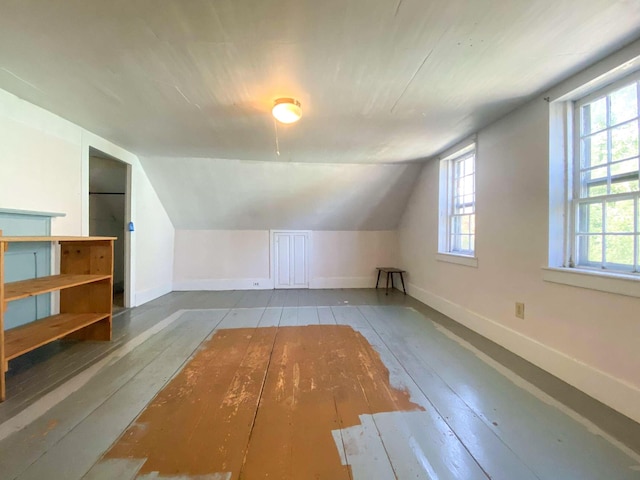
(28,337)
(85,284)
(38,286)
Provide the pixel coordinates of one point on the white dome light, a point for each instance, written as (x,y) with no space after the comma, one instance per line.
(287,110)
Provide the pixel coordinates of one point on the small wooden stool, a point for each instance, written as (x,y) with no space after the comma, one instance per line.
(390,271)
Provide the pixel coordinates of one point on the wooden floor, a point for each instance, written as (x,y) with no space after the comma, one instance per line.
(325,384)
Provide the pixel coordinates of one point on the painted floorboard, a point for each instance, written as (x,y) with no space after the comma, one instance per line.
(200,423)
(54,420)
(25,447)
(254,299)
(476,422)
(242,318)
(289,317)
(467,385)
(114,469)
(307,316)
(364,451)
(277,298)
(325,316)
(86,442)
(480,439)
(439,431)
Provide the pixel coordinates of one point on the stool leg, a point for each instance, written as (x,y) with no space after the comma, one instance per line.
(402,280)
(386,290)
(392,284)
(378,279)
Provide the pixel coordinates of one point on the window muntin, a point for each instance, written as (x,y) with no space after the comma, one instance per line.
(461,205)
(607,183)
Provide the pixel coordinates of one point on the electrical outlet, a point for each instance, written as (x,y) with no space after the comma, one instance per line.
(520,310)
(256,284)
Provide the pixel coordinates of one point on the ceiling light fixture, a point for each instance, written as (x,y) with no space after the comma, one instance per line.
(287,110)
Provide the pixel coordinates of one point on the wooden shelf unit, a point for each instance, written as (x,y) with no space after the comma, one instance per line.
(85,284)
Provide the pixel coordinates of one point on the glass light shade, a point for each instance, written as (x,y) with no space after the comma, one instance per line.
(287,110)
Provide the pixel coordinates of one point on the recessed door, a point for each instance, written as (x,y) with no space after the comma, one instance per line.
(290,259)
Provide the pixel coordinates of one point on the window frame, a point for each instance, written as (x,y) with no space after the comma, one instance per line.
(574,250)
(447,213)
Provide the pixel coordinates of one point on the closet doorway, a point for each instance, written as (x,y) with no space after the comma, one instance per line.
(109,200)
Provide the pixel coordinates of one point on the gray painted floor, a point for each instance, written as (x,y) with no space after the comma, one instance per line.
(68,402)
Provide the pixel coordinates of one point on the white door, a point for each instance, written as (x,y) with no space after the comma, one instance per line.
(290,259)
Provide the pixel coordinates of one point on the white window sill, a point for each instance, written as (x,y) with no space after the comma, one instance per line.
(618,283)
(457,259)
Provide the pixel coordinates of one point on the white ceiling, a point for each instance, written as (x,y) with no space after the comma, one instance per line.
(379,80)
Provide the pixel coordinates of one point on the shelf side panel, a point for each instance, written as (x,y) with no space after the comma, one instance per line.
(89,298)
(89,257)
(3,362)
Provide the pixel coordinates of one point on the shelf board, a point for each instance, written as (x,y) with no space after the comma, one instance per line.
(28,337)
(37,286)
(54,239)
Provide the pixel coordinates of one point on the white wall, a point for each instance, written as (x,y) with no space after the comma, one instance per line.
(221,259)
(44,162)
(155,239)
(585,337)
(348,259)
(236,259)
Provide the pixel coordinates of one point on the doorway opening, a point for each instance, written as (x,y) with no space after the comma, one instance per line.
(108,213)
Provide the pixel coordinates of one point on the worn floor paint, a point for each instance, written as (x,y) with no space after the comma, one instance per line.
(51,399)
(479,420)
(413,445)
(262,403)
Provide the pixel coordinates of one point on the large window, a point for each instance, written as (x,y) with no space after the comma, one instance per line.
(458,203)
(606,198)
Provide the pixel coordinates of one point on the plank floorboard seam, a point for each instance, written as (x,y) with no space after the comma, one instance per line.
(6,429)
(96,454)
(443,417)
(161,387)
(375,320)
(342,427)
(88,414)
(539,394)
(375,424)
(255,415)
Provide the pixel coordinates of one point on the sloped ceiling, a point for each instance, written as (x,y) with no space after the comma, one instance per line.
(243,195)
(380,80)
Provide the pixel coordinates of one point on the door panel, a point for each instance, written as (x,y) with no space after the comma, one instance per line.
(290,259)
(283,260)
(299,260)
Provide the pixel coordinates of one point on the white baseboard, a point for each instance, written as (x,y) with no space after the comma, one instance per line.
(614,392)
(342,282)
(144,296)
(219,284)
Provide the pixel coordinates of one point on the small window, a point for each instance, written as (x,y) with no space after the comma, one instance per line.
(606,180)
(458,203)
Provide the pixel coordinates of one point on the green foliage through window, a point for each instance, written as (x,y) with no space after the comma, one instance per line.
(608,183)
